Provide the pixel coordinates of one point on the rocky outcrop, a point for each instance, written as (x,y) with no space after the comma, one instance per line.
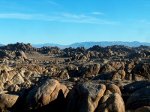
(18,47)
(64,75)
(111,103)
(7,101)
(128,89)
(49,50)
(141,71)
(45,93)
(139,98)
(21,54)
(114,89)
(90,70)
(136,94)
(85,97)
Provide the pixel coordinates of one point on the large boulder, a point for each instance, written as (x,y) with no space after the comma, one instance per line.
(111,102)
(45,94)
(107,68)
(17,79)
(119,75)
(85,97)
(21,54)
(128,89)
(139,98)
(91,70)
(129,66)
(49,50)
(141,71)
(64,75)
(73,70)
(18,47)
(6,75)
(117,65)
(113,88)
(7,101)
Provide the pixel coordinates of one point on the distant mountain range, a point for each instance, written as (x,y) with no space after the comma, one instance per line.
(50,44)
(90,44)
(1,44)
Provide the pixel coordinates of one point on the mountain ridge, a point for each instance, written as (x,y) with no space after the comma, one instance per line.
(1,45)
(92,43)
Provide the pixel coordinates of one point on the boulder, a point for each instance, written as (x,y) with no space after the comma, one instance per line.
(141,72)
(91,70)
(85,97)
(107,68)
(13,88)
(113,88)
(64,75)
(7,101)
(17,79)
(73,70)
(128,89)
(117,65)
(21,54)
(119,75)
(139,98)
(111,103)
(45,93)
(6,74)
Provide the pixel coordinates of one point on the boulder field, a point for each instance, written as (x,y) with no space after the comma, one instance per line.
(98,79)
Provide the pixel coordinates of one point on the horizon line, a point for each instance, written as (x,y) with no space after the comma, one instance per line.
(74,42)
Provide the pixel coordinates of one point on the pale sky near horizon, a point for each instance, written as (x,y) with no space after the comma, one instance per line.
(70,21)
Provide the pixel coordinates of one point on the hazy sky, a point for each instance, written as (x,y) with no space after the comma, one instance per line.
(69,21)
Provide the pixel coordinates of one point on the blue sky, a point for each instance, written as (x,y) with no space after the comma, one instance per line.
(69,21)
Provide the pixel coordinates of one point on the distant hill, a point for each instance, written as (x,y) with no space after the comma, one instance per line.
(90,44)
(50,44)
(1,45)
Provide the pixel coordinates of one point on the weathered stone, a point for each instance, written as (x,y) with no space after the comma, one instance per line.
(114,89)
(85,97)
(21,54)
(141,71)
(139,98)
(64,75)
(17,79)
(128,89)
(111,103)
(44,94)
(91,70)
(7,101)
